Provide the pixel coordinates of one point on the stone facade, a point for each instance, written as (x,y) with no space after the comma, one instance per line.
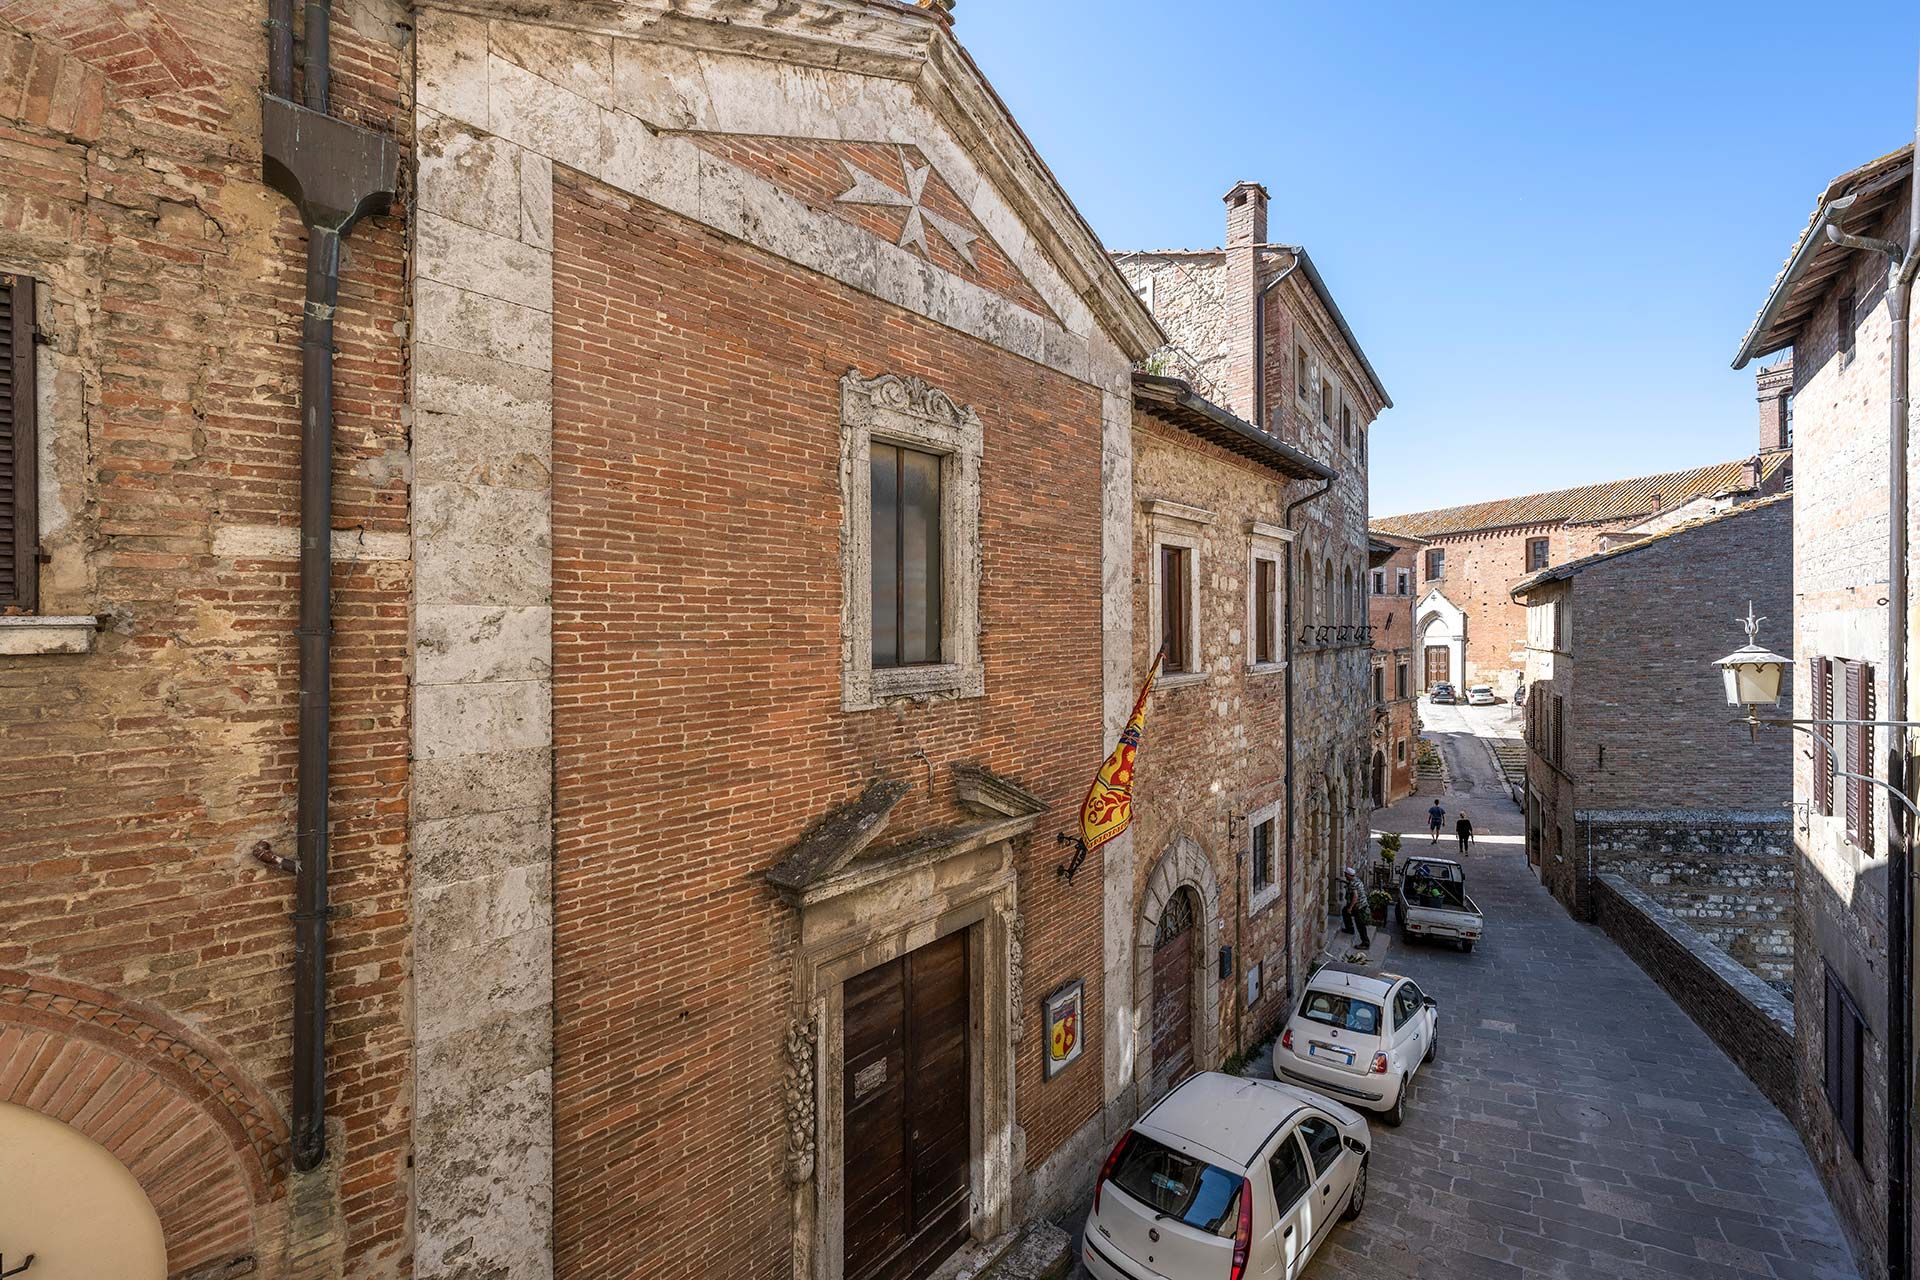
(690,272)
(1634,764)
(1312,388)
(148,705)
(1839,425)
(1214,764)
(1391,613)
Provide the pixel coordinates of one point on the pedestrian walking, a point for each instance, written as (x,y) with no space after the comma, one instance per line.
(1353,916)
(1435,816)
(1463,832)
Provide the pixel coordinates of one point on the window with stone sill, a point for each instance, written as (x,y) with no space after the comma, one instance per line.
(19,450)
(910,533)
(1302,374)
(1174,592)
(1379,582)
(1400,581)
(1263,857)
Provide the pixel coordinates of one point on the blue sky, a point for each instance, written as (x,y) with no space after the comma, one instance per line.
(1549,224)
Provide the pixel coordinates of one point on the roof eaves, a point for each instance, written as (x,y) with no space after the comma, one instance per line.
(1573,568)
(1175,401)
(1839,196)
(1333,309)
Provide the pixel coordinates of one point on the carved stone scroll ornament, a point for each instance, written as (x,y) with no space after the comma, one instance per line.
(801,1040)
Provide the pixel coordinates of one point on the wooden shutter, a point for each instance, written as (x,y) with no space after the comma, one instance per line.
(1859,755)
(1823,737)
(1843,1054)
(19,450)
(1559,730)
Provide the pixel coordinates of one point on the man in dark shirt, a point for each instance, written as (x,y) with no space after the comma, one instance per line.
(1435,816)
(1463,832)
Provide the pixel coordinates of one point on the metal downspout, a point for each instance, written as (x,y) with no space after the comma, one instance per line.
(335,173)
(1899,754)
(1286,522)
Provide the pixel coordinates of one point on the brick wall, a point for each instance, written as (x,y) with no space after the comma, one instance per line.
(1748,1019)
(140,775)
(1840,415)
(1202,773)
(1391,619)
(697,716)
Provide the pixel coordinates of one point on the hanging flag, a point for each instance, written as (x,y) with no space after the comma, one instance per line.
(1109,806)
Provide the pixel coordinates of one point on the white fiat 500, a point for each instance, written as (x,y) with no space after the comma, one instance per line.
(1359,1037)
(1226,1179)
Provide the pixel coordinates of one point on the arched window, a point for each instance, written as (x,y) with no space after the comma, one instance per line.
(1346,608)
(1330,607)
(1306,588)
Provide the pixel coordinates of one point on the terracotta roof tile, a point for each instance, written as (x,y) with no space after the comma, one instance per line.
(1629,499)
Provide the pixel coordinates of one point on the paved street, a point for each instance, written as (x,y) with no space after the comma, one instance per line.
(1577,1124)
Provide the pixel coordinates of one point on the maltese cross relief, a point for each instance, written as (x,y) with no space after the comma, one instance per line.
(867,189)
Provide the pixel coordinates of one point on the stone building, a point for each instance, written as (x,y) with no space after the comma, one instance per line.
(1829,305)
(1469,629)
(150,302)
(1213,868)
(1254,327)
(1393,568)
(1635,767)
(733,528)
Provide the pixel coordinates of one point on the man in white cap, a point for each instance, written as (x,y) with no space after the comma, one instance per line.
(1353,914)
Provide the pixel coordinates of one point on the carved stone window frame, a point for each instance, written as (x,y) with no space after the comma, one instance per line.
(907,411)
(1269,894)
(1175,524)
(1269,542)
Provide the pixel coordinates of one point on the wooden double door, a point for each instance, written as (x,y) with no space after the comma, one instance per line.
(1173,963)
(908,1112)
(1439,665)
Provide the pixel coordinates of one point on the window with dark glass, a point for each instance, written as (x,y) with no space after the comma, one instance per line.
(1287,1169)
(1176,575)
(1262,854)
(1265,589)
(1844,323)
(1843,1074)
(1379,582)
(1536,554)
(1379,684)
(1346,425)
(906,556)
(1302,379)
(1400,681)
(1437,562)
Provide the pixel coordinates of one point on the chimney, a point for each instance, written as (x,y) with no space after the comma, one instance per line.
(1773,385)
(1246,231)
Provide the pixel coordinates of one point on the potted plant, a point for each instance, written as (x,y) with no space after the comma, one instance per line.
(1379,900)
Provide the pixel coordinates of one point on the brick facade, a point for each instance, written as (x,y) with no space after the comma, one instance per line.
(1627,723)
(144,767)
(1839,426)
(1392,596)
(1328,415)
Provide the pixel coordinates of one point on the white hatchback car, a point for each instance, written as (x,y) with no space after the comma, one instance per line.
(1226,1179)
(1481,695)
(1359,1036)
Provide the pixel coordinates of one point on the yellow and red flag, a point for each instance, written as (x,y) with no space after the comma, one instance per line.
(1109,805)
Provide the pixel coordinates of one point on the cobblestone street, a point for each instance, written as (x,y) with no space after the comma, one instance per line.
(1578,1124)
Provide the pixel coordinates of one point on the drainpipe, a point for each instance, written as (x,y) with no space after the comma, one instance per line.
(1260,346)
(1286,521)
(1904,263)
(335,173)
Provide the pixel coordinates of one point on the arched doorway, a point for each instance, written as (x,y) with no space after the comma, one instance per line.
(1175,946)
(1379,788)
(69,1203)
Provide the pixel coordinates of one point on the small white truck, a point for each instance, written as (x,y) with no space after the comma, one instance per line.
(1433,903)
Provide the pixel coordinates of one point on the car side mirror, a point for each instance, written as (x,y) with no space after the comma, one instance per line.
(1429,1002)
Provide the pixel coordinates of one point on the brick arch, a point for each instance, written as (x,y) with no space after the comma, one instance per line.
(203,1143)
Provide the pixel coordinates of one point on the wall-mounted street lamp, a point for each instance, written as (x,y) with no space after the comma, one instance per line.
(1752,674)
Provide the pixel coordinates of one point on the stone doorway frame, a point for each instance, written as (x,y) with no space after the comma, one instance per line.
(1183,864)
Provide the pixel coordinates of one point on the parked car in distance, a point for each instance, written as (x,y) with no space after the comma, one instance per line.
(1432,902)
(1442,692)
(1481,695)
(1226,1179)
(1359,1036)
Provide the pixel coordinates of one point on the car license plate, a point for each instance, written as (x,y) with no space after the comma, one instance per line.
(1343,1056)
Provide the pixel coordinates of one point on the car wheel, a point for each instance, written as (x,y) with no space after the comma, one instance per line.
(1467,945)
(1433,1050)
(1398,1111)
(1356,1198)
